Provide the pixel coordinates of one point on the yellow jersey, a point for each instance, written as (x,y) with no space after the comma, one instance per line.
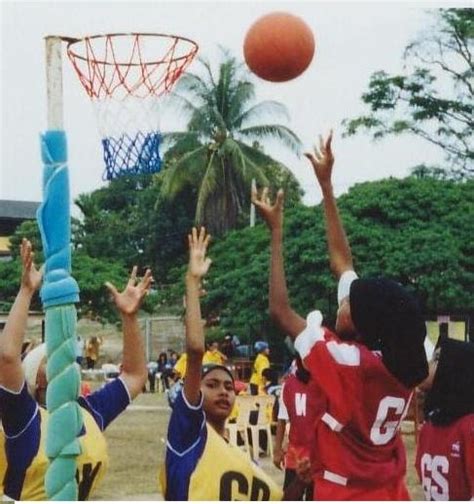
(201,465)
(212,358)
(26,425)
(260,364)
(181,364)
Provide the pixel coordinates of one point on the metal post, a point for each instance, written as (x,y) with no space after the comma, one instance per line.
(54,82)
(252,206)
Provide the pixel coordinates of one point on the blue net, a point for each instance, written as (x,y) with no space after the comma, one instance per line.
(131,155)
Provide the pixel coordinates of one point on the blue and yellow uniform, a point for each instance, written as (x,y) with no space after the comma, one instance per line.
(201,465)
(25,424)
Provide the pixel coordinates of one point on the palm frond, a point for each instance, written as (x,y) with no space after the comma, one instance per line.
(170,139)
(256,155)
(265,108)
(208,185)
(274,131)
(187,170)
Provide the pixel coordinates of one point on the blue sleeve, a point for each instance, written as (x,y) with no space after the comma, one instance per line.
(107,403)
(22,425)
(187,437)
(186,424)
(17,409)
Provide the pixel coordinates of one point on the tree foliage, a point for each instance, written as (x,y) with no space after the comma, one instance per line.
(220,152)
(434,98)
(417,232)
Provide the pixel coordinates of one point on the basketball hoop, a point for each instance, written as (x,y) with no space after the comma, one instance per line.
(124,74)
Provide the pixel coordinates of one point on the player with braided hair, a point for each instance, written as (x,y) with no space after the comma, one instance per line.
(23,392)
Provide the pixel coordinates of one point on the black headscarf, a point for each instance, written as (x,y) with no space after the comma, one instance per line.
(388,318)
(452,393)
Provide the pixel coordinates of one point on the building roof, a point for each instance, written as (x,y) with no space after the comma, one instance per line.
(21,210)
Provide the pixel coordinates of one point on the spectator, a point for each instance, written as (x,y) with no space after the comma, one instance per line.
(227,346)
(79,350)
(165,369)
(212,355)
(152,367)
(262,362)
(92,351)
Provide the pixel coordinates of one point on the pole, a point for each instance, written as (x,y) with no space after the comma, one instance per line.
(252,206)
(58,294)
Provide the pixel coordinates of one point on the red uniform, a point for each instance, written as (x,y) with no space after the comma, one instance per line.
(445,460)
(302,403)
(359,453)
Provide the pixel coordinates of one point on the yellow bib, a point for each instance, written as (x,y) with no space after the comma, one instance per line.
(225,472)
(91,464)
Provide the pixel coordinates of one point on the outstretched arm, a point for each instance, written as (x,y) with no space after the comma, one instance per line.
(134,370)
(339,251)
(280,310)
(197,268)
(11,339)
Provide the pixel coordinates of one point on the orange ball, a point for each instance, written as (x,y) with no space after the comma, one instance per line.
(279,46)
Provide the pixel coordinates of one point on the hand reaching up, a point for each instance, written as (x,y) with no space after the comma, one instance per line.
(271,214)
(31,277)
(198,265)
(322,160)
(130,299)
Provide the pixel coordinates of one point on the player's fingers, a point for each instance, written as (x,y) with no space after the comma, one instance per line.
(111,288)
(264,197)
(133,276)
(280,198)
(329,141)
(202,234)
(194,235)
(206,241)
(321,144)
(207,262)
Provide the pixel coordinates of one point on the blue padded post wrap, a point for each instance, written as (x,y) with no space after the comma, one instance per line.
(55,223)
(59,293)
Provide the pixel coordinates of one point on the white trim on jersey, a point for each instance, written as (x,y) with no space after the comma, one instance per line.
(282,410)
(348,355)
(312,333)
(331,422)
(335,478)
(344,285)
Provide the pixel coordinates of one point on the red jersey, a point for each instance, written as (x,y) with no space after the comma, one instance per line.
(358,443)
(303,403)
(445,460)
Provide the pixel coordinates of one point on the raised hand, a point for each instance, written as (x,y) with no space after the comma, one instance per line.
(198,265)
(130,299)
(322,160)
(31,277)
(271,214)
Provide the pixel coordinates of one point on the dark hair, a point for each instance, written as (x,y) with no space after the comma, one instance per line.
(451,395)
(302,374)
(163,356)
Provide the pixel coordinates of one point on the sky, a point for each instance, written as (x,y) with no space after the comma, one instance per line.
(353,40)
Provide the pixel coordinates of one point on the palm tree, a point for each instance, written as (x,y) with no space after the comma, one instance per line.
(220,152)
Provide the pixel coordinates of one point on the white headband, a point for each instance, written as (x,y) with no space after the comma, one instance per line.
(31,364)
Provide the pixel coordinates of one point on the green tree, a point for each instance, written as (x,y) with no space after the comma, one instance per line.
(220,153)
(130,222)
(434,98)
(416,231)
